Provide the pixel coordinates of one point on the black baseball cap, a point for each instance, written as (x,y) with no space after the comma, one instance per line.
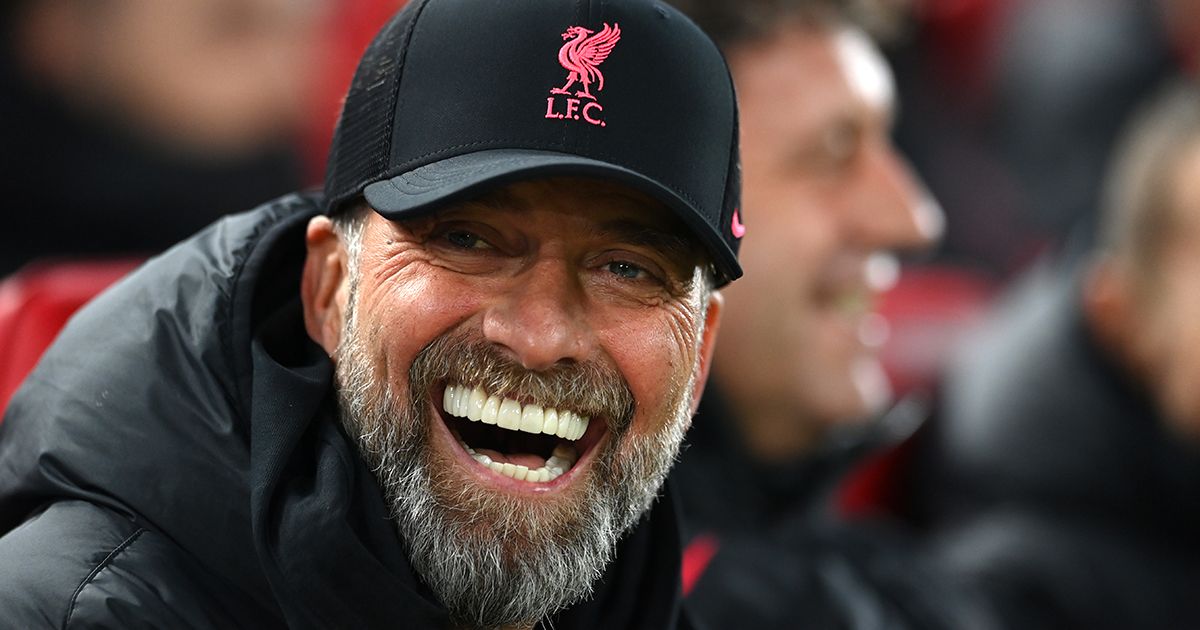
(456,95)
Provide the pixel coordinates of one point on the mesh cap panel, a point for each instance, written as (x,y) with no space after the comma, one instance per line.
(362,144)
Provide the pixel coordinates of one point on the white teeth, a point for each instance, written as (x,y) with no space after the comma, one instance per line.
(563,459)
(476,405)
(510,415)
(570,426)
(531,419)
(491,409)
(464,401)
(564,424)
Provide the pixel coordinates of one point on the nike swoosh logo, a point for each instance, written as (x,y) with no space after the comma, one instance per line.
(738,229)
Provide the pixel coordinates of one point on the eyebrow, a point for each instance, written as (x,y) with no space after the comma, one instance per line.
(672,243)
(676,246)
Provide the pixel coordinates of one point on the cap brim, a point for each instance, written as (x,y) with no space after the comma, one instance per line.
(460,177)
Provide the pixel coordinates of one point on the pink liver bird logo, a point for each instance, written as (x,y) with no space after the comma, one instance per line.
(582,55)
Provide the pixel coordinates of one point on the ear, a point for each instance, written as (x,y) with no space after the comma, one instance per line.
(1108,305)
(324,285)
(708,341)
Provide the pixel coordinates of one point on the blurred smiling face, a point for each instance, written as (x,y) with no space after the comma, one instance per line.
(518,371)
(825,196)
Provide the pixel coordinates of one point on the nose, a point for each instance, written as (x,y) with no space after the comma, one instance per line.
(542,317)
(894,211)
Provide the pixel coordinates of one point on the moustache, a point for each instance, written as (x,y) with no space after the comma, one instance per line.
(592,388)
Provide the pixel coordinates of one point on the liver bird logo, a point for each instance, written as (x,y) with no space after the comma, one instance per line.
(582,55)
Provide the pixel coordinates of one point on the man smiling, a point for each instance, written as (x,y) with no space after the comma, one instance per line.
(519,456)
(445,393)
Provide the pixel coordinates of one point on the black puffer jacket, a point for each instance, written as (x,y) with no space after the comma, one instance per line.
(174,462)
(1053,482)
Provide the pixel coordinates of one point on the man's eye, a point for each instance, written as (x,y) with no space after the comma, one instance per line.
(841,142)
(627,270)
(466,240)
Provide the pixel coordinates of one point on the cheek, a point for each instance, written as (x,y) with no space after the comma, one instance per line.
(656,356)
(401,316)
(784,254)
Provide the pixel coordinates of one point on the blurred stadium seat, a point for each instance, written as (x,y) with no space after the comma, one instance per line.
(37,301)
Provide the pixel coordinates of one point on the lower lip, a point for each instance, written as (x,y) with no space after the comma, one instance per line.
(486,475)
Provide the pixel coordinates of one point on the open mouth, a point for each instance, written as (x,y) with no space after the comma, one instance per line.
(524,441)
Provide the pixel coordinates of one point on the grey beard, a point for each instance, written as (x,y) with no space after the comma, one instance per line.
(496,560)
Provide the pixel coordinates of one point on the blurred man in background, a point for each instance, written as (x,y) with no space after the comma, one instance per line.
(827,199)
(1065,470)
(166,113)
(831,198)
